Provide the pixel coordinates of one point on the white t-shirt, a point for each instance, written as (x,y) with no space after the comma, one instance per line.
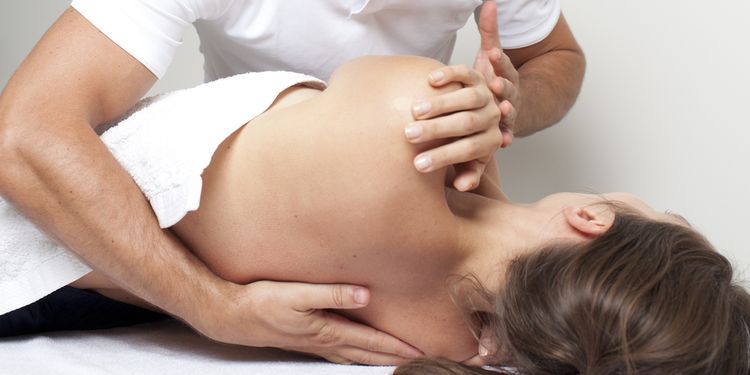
(306,36)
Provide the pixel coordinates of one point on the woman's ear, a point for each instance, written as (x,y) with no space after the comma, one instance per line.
(592,221)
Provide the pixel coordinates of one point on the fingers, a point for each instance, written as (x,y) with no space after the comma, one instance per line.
(468,175)
(507,138)
(464,99)
(489,36)
(293,316)
(337,359)
(501,63)
(480,146)
(358,342)
(503,88)
(455,73)
(507,124)
(369,339)
(447,126)
(308,297)
(508,94)
(350,356)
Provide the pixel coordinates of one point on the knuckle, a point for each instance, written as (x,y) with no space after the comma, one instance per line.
(440,158)
(487,96)
(497,131)
(501,87)
(462,70)
(477,76)
(326,336)
(513,114)
(497,141)
(376,343)
(428,129)
(438,103)
(470,122)
(474,97)
(337,295)
(496,115)
(502,58)
(472,148)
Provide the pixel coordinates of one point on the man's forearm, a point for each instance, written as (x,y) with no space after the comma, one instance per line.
(549,87)
(64,179)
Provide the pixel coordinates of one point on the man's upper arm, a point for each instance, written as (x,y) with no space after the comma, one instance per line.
(73,74)
(560,39)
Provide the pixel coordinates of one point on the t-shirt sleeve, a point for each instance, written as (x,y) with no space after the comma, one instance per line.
(149,30)
(525,22)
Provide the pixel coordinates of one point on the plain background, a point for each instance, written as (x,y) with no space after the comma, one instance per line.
(662,113)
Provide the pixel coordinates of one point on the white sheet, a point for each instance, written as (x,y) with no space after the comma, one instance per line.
(161,348)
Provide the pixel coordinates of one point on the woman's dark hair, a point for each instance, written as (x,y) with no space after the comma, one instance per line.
(646,297)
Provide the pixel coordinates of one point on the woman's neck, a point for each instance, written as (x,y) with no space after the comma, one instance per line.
(493,233)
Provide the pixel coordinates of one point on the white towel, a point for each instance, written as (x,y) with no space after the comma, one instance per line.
(165,144)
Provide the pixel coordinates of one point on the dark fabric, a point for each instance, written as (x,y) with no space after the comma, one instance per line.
(73,309)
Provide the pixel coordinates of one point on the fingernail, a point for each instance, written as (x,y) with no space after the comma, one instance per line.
(421,108)
(423,162)
(413,131)
(360,296)
(437,75)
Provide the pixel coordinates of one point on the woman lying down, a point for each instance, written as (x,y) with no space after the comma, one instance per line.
(319,189)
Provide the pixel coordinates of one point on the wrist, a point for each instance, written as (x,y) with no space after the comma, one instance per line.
(228,311)
(184,287)
(207,308)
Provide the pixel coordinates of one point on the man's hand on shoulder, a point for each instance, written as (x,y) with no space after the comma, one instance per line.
(296,317)
(479,117)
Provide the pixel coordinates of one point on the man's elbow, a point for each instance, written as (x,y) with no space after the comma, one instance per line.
(573,70)
(9,155)
(22,143)
(6,133)
(578,70)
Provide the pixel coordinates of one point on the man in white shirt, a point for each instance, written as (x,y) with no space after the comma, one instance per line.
(99,58)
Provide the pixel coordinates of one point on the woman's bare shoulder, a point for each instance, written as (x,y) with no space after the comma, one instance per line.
(378,67)
(406,74)
(371,97)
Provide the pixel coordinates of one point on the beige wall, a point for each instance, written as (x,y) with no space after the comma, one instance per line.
(661,115)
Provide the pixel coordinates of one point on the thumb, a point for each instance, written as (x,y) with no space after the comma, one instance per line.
(330,296)
(488,31)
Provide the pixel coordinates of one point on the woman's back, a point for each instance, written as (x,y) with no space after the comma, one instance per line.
(321,189)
